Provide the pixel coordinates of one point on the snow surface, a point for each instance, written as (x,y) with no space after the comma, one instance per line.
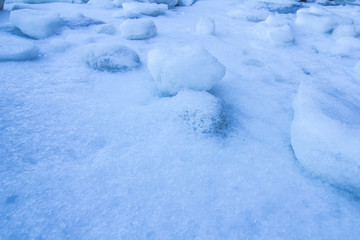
(17,49)
(270,151)
(149,9)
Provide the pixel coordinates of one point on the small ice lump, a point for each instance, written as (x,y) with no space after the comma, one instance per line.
(138,29)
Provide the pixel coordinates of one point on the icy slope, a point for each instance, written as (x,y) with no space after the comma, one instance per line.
(92,154)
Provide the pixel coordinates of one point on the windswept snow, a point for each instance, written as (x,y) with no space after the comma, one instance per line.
(120,123)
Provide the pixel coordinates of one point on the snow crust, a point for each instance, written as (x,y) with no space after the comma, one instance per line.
(184,67)
(138,29)
(102,137)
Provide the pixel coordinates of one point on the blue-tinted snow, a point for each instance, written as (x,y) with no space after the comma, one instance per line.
(86,154)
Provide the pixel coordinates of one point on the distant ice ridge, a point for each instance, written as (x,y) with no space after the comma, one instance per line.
(184,67)
(17,49)
(325,132)
(111,58)
(36,23)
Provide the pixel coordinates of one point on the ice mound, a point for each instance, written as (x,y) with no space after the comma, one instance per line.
(275,30)
(357,67)
(256,15)
(185,2)
(106,29)
(78,20)
(107,4)
(344,31)
(149,9)
(170,3)
(206,26)
(347,46)
(138,29)
(111,58)
(201,111)
(184,67)
(315,20)
(36,23)
(325,132)
(17,49)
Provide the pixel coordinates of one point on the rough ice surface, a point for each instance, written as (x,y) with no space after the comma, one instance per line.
(112,58)
(268,152)
(106,29)
(17,49)
(36,23)
(138,29)
(184,67)
(149,9)
(170,3)
(206,26)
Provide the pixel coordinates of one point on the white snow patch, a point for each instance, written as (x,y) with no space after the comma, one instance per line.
(138,29)
(111,58)
(106,29)
(184,67)
(36,23)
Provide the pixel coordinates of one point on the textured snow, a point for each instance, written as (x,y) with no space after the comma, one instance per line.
(36,23)
(138,29)
(270,151)
(184,67)
(206,26)
(112,58)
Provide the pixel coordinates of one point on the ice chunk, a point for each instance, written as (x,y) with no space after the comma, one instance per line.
(206,26)
(201,111)
(111,58)
(325,131)
(106,28)
(184,67)
(275,31)
(170,3)
(138,29)
(101,3)
(36,23)
(149,9)
(347,46)
(17,49)
(185,2)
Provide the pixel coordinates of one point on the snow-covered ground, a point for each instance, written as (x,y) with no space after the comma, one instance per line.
(222,119)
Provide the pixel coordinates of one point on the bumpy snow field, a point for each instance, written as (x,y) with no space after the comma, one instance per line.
(209,119)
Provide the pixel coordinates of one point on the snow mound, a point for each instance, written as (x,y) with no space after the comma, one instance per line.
(357,67)
(206,26)
(106,29)
(16,49)
(347,46)
(106,4)
(200,111)
(138,29)
(170,3)
(149,9)
(275,30)
(344,31)
(36,23)
(185,2)
(256,15)
(184,67)
(325,131)
(315,20)
(111,58)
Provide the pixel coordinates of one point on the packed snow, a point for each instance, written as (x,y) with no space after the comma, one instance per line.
(180,119)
